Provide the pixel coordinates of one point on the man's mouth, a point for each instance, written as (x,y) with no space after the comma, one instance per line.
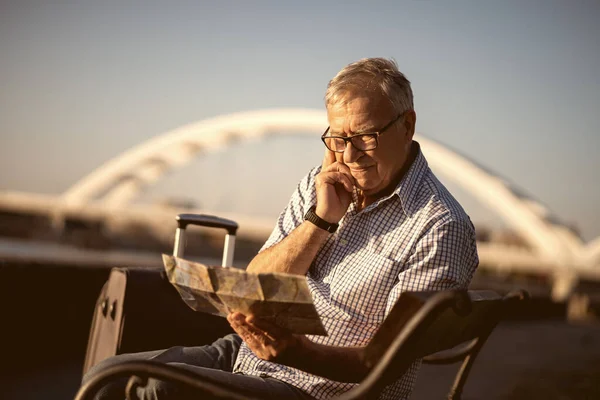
(360,168)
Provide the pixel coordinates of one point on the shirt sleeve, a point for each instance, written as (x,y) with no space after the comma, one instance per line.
(444,258)
(293,214)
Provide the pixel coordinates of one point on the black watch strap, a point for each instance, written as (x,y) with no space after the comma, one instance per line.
(318,221)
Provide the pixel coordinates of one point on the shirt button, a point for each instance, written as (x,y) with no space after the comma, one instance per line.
(343,242)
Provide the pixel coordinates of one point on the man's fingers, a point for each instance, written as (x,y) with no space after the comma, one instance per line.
(328,159)
(347,181)
(263,335)
(272,331)
(337,167)
(250,333)
(238,323)
(341,174)
(236,317)
(243,331)
(333,177)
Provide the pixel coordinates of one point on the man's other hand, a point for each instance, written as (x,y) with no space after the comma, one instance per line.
(334,189)
(268,341)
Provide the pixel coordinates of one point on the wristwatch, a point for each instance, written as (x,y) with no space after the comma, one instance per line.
(318,221)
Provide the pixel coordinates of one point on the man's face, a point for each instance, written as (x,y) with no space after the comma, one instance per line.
(373,170)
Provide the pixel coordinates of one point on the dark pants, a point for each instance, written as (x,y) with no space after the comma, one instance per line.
(215,361)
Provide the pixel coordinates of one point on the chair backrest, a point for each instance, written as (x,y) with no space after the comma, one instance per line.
(423,323)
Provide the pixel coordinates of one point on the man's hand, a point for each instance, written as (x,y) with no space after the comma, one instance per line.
(295,253)
(334,189)
(272,343)
(268,341)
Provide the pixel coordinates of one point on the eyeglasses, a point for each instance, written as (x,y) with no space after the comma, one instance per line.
(362,141)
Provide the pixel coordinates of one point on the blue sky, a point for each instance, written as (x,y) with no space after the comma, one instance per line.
(514,86)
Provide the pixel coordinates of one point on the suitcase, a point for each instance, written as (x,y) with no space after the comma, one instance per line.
(139,310)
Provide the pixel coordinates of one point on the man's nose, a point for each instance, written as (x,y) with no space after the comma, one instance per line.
(351,153)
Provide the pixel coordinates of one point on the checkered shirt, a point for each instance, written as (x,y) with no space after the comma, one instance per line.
(418,238)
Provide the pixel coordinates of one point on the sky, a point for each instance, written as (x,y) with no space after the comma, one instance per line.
(513,85)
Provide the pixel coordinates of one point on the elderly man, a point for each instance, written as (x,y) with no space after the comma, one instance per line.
(369,223)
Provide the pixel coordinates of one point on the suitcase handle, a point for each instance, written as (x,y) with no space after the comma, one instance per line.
(183,220)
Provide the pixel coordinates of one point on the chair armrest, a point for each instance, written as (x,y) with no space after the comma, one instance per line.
(140,371)
(451,356)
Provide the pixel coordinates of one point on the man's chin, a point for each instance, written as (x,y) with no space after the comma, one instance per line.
(364,180)
(364,186)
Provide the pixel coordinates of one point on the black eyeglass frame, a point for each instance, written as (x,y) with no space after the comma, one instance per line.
(347,139)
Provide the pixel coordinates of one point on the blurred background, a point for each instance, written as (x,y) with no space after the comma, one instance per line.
(115,116)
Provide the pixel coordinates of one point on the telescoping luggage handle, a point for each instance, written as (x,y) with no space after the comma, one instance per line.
(183,220)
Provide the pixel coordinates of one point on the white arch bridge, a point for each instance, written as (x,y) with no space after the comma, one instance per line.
(555,248)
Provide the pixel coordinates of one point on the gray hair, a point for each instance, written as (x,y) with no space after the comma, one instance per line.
(372,74)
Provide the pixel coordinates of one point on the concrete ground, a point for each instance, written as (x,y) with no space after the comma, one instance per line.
(549,360)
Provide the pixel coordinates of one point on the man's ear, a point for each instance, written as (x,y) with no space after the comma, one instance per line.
(409,122)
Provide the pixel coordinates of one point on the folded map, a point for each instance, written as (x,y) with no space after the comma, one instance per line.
(283,299)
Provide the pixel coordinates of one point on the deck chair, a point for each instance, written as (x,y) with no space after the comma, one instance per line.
(439,327)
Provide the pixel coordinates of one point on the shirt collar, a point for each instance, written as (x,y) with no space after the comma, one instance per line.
(407,188)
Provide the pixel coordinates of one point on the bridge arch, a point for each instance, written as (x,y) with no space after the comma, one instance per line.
(120,180)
